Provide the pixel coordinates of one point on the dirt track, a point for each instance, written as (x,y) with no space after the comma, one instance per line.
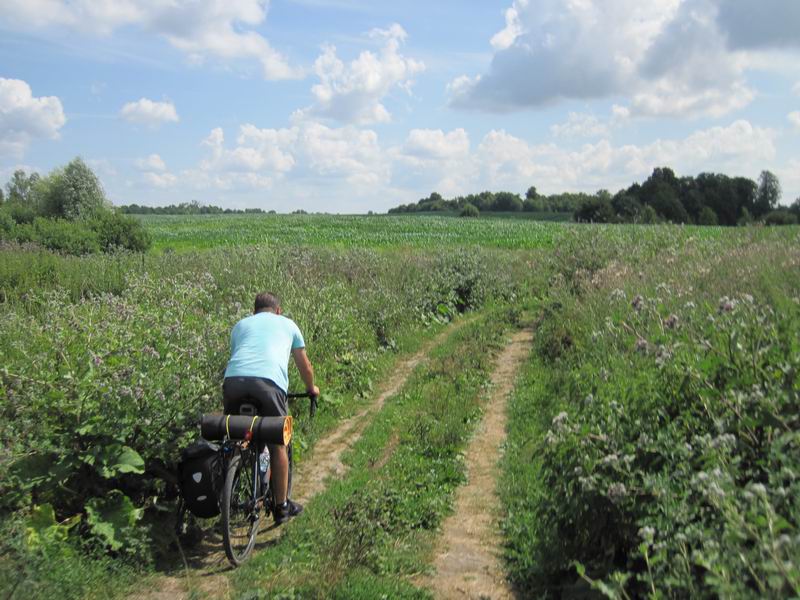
(207,568)
(467,553)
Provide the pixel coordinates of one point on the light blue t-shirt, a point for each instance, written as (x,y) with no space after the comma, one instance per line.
(261,345)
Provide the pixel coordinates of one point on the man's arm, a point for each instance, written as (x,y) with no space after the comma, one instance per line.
(306,370)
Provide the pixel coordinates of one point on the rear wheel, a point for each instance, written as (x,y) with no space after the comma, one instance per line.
(240,514)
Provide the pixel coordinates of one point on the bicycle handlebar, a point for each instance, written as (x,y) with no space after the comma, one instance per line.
(312,408)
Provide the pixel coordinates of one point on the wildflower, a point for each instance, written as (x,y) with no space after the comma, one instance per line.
(647,534)
(610,459)
(748,298)
(641,345)
(617,492)
(759,489)
(97,361)
(560,419)
(638,302)
(726,304)
(618,294)
(715,490)
(671,322)
(690,305)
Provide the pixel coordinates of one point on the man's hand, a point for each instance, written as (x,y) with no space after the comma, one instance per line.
(306,370)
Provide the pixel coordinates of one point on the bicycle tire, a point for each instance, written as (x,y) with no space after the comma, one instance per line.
(240,518)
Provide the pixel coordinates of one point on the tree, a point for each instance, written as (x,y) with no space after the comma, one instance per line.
(2,199)
(768,195)
(595,210)
(73,192)
(20,186)
(531,194)
(626,206)
(666,203)
(707,217)
(507,202)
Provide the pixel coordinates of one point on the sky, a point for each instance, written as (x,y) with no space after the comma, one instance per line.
(347,106)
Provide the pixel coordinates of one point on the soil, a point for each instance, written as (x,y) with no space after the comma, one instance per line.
(207,567)
(467,556)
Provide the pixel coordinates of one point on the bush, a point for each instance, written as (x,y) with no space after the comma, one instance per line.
(781,217)
(64,236)
(469,210)
(115,231)
(20,212)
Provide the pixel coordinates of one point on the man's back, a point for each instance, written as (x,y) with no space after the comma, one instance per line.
(261,345)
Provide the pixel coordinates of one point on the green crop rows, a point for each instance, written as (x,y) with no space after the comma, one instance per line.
(652,451)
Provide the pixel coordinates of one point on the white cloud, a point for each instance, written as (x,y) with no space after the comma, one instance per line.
(580,125)
(261,157)
(216,29)
(670,57)
(24,117)
(152,162)
(436,144)
(794,119)
(353,93)
(160,180)
(510,162)
(150,113)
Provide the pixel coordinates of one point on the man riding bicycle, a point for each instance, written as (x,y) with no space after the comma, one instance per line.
(257,373)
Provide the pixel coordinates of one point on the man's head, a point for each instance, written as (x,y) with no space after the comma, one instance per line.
(267,302)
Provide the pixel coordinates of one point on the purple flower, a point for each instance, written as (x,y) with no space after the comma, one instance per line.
(671,322)
(638,302)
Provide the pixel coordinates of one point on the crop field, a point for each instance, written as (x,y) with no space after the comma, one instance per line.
(379,231)
(652,446)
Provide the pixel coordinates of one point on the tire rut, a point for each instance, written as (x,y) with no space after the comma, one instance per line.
(206,571)
(467,555)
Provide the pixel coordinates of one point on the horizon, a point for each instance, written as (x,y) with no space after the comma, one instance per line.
(345,106)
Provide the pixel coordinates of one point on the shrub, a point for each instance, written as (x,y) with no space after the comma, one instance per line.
(115,231)
(781,217)
(64,236)
(469,210)
(707,217)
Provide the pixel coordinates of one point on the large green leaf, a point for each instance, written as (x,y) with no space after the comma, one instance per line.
(111,516)
(114,459)
(42,526)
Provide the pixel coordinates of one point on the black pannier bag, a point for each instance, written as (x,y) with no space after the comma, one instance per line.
(200,478)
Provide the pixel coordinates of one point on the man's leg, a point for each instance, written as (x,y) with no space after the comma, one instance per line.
(279,460)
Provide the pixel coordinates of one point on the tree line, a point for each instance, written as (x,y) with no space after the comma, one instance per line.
(707,199)
(497,202)
(66,211)
(189,208)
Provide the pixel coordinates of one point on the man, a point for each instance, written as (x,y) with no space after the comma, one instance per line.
(257,373)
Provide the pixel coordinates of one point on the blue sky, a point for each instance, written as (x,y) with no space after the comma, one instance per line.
(349,105)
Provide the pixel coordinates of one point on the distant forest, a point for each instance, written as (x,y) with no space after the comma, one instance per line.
(708,199)
(188,208)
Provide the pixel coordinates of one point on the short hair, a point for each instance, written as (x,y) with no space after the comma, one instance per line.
(266,301)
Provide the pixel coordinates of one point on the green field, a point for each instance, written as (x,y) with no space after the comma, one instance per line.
(380,231)
(652,446)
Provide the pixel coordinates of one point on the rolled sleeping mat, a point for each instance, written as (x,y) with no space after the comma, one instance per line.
(269,430)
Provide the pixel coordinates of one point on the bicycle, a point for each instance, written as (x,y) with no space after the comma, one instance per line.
(246,486)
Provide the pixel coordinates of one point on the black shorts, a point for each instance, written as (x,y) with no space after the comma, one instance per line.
(268,398)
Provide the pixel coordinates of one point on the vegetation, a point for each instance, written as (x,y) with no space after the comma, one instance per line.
(653,446)
(369,529)
(189,208)
(708,199)
(101,387)
(67,211)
